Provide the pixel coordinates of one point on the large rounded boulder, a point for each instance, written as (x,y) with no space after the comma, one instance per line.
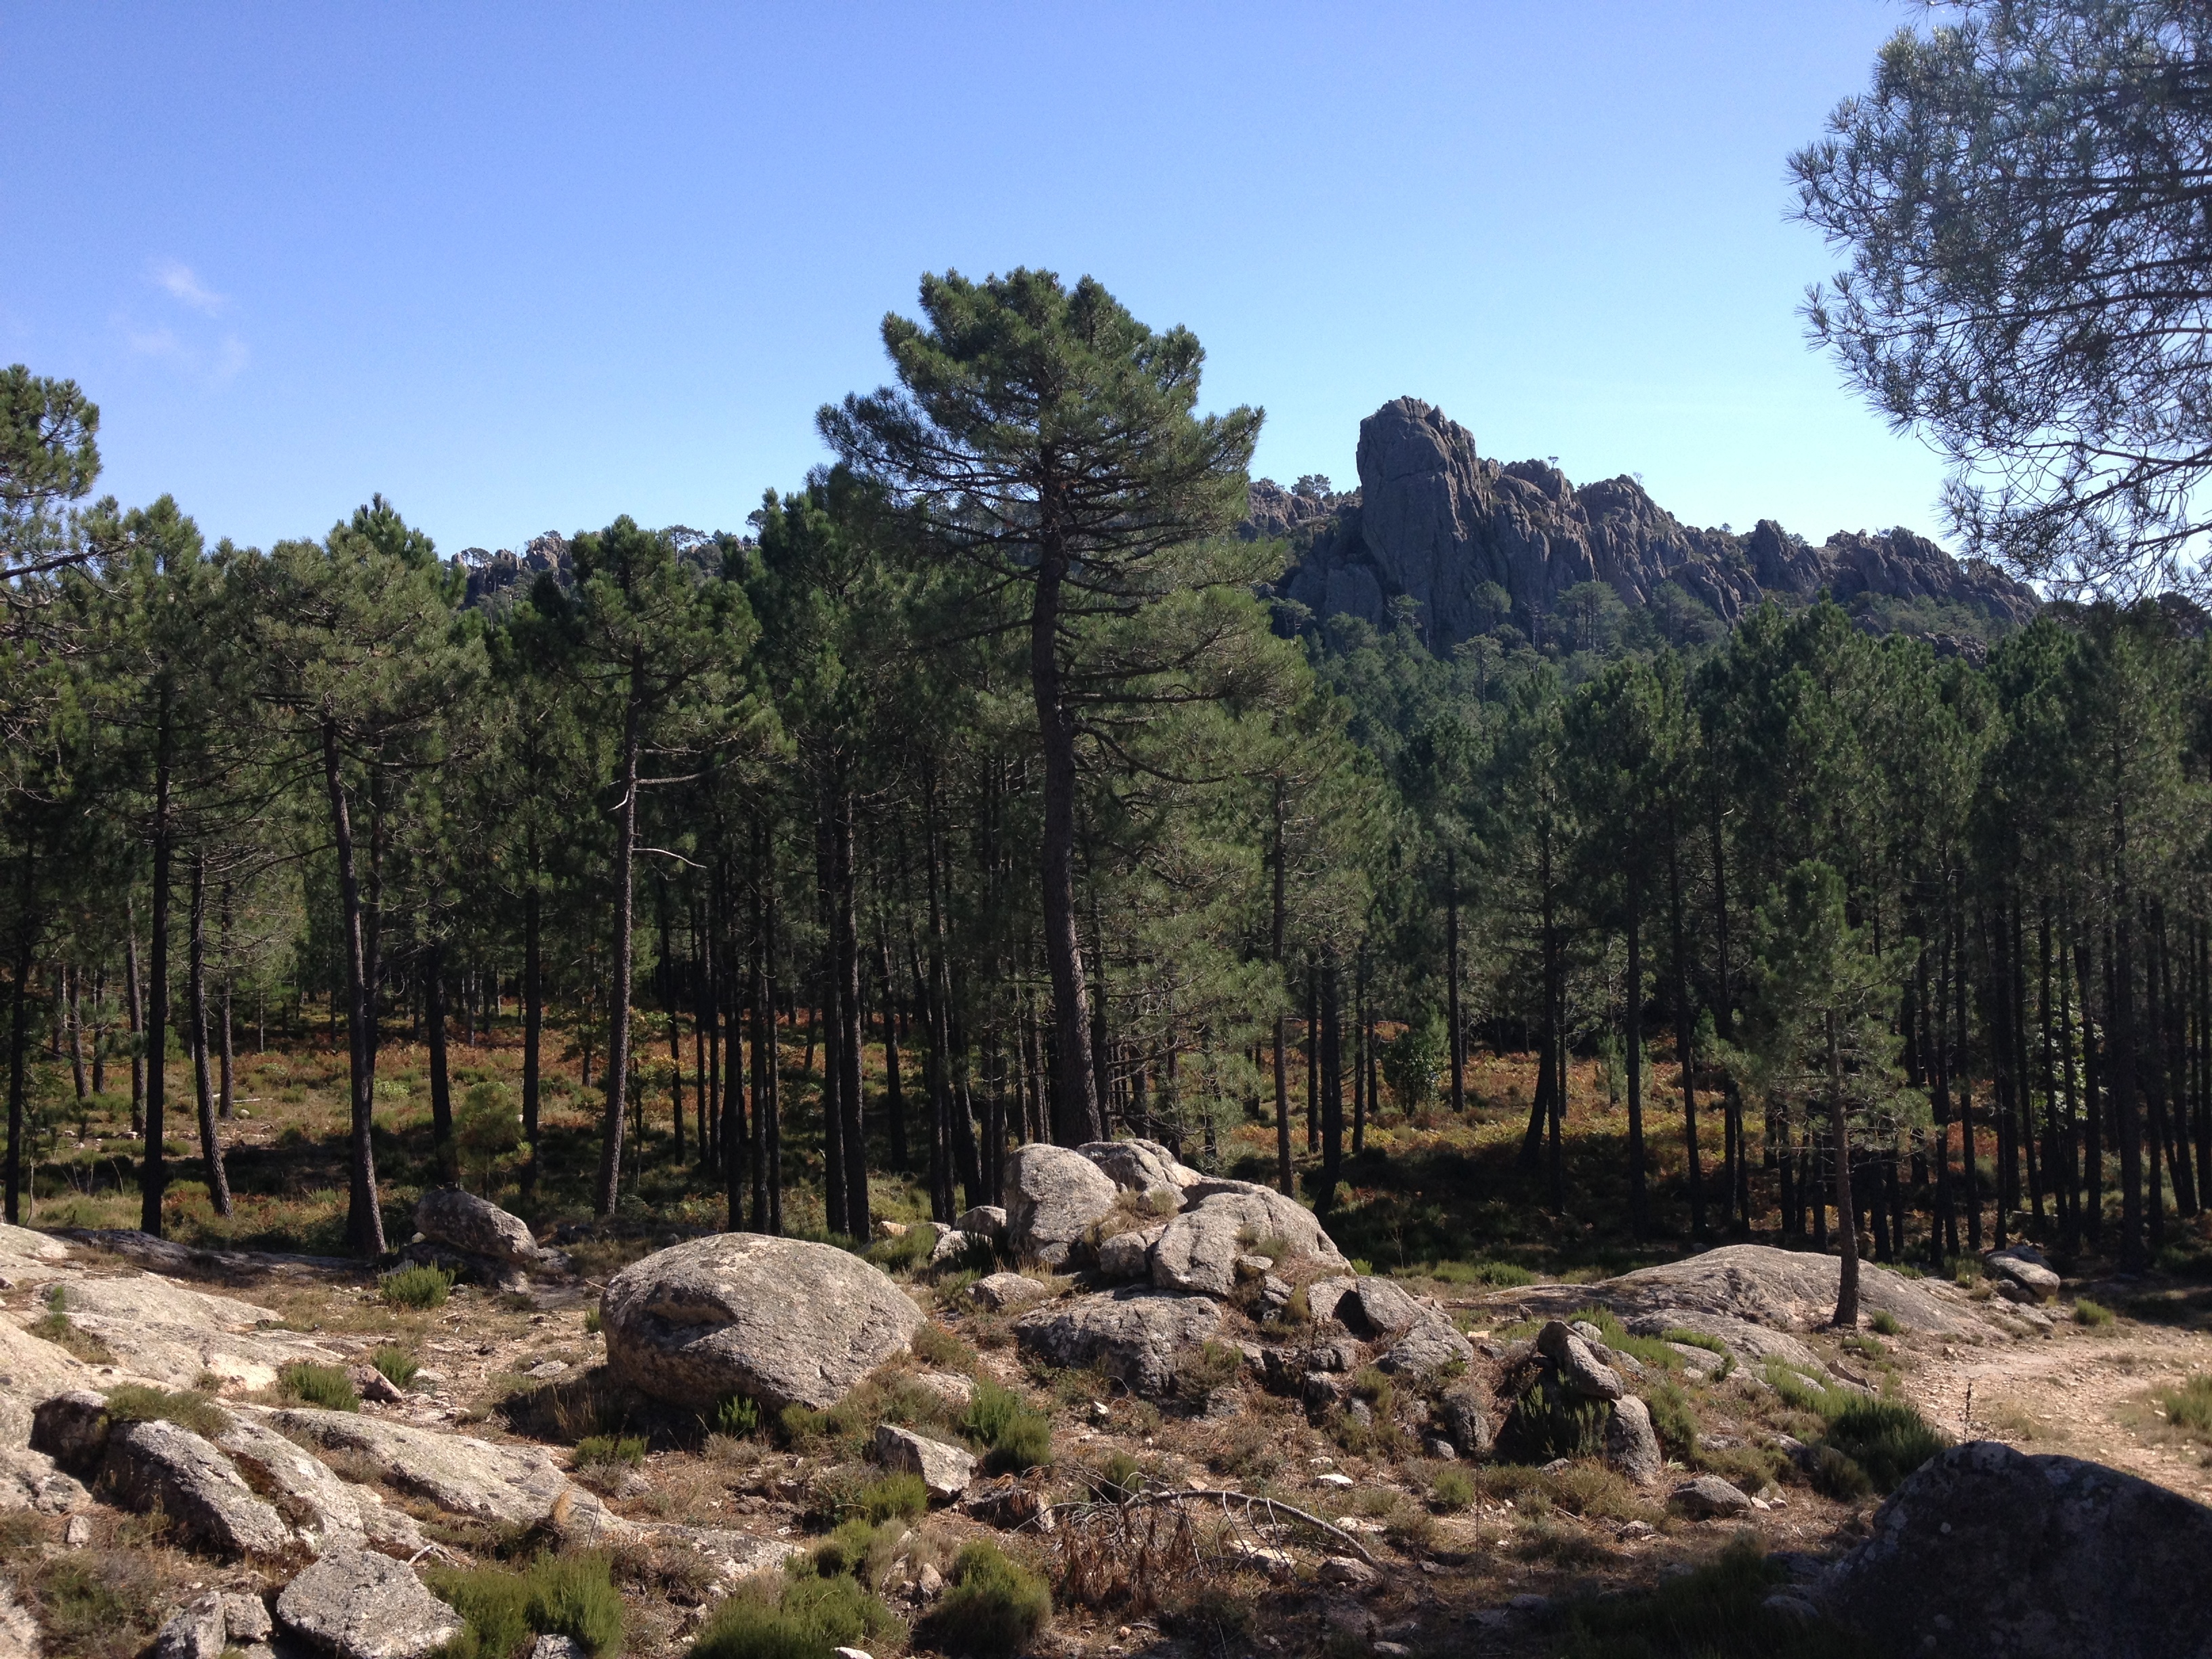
(1054,1197)
(778,1320)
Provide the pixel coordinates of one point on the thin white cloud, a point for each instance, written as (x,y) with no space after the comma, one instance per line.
(229,360)
(181,283)
(157,343)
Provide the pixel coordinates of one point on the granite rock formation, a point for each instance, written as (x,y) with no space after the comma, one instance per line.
(1435,522)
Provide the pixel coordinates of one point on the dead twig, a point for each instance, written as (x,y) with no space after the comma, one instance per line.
(1245,1501)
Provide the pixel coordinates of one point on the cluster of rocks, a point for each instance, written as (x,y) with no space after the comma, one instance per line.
(478,1242)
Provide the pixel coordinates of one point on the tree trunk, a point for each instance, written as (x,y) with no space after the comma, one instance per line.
(74,978)
(19,1031)
(135,1011)
(1332,1085)
(894,1084)
(364,1216)
(533,1029)
(441,1082)
(618,990)
(226,1077)
(1847,1226)
(1278,925)
(845,950)
(1075,1118)
(202,1092)
(1451,983)
(153,1175)
(1684,1045)
(1638,1215)
(668,1008)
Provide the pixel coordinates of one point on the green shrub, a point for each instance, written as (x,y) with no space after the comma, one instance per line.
(1651,1350)
(591,1317)
(892,1496)
(325,1385)
(1689,1338)
(1672,1419)
(1453,1488)
(134,1402)
(1885,1323)
(1546,1423)
(1837,1474)
(801,1423)
(860,1546)
(419,1288)
(1887,1438)
(1717,1611)
(2189,1408)
(738,1417)
(504,1610)
(1121,1478)
(992,1609)
(607,1449)
(2087,1312)
(55,1326)
(906,1250)
(1013,1435)
(801,1616)
(1806,1394)
(486,1128)
(935,1345)
(398,1365)
(1505,1274)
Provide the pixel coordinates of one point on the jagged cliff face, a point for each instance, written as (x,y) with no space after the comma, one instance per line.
(1434,521)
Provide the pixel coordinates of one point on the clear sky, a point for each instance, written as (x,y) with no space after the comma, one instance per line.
(529,266)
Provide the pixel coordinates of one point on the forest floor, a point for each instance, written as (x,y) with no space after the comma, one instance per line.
(1439,1202)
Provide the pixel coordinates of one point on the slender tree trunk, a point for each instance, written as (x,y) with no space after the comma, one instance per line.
(533,1029)
(74,979)
(153,1175)
(1278,924)
(1313,1054)
(1847,1279)
(441,1082)
(847,942)
(1358,1056)
(202,1091)
(668,1009)
(226,1076)
(19,1030)
(1075,1116)
(1638,1210)
(894,1092)
(1332,1085)
(618,991)
(365,1216)
(135,1011)
(1451,934)
(1684,1045)
(2093,1084)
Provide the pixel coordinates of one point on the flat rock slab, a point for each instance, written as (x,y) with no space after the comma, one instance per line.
(1431,1344)
(355,1604)
(1222,1221)
(1752,1284)
(1140,1166)
(1365,1307)
(177,1352)
(329,1513)
(166,1255)
(781,1321)
(33,1369)
(1133,1334)
(1054,1197)
(509,1486)
(151,1297)
(1709,1497)
(162,1466)
(1985,1551)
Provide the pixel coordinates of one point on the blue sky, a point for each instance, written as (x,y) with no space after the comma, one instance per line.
(523,267)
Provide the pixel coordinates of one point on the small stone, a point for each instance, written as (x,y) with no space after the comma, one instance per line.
(1357,1410)
(547,1368)
(1391,1650)
(1254,1267)
(1341,1482)
(1638,1529)
(1630,1444)
(851,1653)
(886,1228)
(1440,1449)
(929,1581)
(1580,1370)
(1223,1403)
(247,1617)
(944,1470)
(78,1532)
(1276,1563)
(1556,1466)
(1348,1572)
(194,1631)
(559,1647)
(1709,1497)
(1002,1292)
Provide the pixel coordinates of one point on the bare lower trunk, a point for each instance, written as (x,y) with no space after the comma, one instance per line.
(365,1216)
(1632,1023)
(1847,1230)
(610,1139)
(203,1094)
(135,1011)
(441,1086)
(154,1174)
(19,1039)
(533,1028)
(846,961)
(1451,984)
(1075,1117)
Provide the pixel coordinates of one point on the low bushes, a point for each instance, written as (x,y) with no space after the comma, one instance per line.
(1718,1611)
(325,1385)
(504,1611)
(417,1288)
(801,1615)
(398,1365)
(2089,1313)
(993,1606)
(1885,1439)
(1012,1434)
(2189,1408)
